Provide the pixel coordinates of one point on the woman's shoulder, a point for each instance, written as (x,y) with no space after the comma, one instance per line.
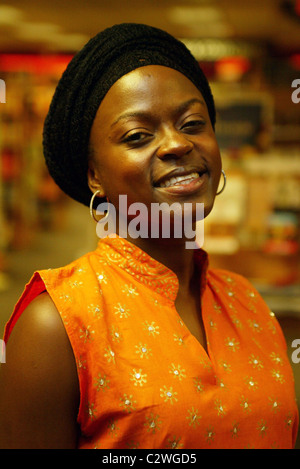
(230,279)
(236,288)
(39,335)
(39,382)
(40,317)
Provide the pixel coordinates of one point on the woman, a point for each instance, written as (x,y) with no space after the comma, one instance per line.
(139,344)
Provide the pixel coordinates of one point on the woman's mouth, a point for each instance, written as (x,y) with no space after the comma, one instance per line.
(185,184)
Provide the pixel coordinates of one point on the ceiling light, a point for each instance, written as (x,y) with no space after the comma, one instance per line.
(67,42)
(37,31)
(9,15)
(213,49)
(188,15)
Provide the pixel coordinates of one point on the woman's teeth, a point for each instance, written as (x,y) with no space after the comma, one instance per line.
(183,180)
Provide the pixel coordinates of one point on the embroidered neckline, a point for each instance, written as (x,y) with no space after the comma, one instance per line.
(145,268)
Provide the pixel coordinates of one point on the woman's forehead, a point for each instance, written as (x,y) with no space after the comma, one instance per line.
(149,76)
(145,87)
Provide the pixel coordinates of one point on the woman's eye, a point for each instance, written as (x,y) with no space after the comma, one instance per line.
(193,125)
(136,137)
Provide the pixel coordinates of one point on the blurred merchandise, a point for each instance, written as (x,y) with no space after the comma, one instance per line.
(30,83)
(283,233)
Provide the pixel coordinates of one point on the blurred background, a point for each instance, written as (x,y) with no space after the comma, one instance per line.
(250,52)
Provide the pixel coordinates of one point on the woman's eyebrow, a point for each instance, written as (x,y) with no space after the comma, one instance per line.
(131,114)
(184,106)
(145,115)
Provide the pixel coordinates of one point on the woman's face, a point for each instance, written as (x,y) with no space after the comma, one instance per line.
(152,140)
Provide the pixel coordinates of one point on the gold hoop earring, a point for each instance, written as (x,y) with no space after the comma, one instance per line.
(224,176)
(103,219)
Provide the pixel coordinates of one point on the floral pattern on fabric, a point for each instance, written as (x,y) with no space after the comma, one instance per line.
(145,380)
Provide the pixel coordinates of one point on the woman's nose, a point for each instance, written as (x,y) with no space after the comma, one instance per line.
(174,144)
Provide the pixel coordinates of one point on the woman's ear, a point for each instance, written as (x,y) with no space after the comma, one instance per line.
(94,182)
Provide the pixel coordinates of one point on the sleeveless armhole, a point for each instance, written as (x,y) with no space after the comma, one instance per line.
(32,289)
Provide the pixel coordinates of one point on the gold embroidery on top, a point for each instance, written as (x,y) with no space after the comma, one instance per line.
(198,384)
(109,355)
(244,403)
(254,325)
(102,278)
(81,364)
(75,284)
(151,328)
(289,421)
(232,344)
(255,362)
(130,290)
(140,265)
(262,427)
(275,405)
(226,366)
(193,417)
(251,383)
(235,430)
(152,423)
(221,410)
(174,443)
(210,434)
(113,428)
(138,378)
(217,308)
(167,393)
(115,334)
(278,376)
(177,371)
(143,350)
(91,411)
(121,311)
(220,383)
(86,334)
(178,339)
(101,382)
(132,444)
(127,402)
(276,358)
(95,311)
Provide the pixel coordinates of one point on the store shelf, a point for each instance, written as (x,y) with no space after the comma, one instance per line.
(284,301)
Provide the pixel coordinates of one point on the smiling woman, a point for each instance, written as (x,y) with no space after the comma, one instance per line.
(139,343)
(162,131)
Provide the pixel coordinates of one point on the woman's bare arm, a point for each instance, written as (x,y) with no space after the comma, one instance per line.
(39,391)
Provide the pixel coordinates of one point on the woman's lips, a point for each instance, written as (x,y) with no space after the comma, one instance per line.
(183,179)
(184,185)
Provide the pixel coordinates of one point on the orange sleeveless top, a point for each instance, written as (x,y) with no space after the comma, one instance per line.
(145,381)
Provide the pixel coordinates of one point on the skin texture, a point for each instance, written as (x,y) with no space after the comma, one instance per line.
(168,128)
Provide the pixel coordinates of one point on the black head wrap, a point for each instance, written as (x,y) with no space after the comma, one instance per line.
(108,56)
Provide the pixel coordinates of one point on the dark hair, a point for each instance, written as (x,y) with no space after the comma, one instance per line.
(108,56)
